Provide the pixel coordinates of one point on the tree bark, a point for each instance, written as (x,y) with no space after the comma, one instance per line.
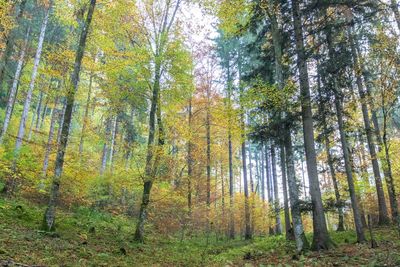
(85,116)
(190,159)
(321,239)
(50,144)
(299,235)
(49,216)
(262,173)
(322,111)
(278,226)
(148,183)
(27,104)
(345,148)
(288,234)
(112,145)
(13,91)
(383,214)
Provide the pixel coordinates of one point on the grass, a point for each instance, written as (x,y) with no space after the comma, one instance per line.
(90,238)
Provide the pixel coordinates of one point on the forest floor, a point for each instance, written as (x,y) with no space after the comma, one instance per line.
(90,238)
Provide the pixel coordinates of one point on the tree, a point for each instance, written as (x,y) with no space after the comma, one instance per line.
(49,216)
(321,239)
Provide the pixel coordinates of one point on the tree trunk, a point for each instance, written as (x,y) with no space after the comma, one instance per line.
(231,192)
(112,145)
(383,214)
(13,91)
(346,150)
(34,118)
(190,159)
(39,110)
(251,170)
(148,183)
(50,144)
(247,233)
(44,113)
(49,217)
(61,120)
(388,163)
(321,239)
(278,226)
(270,193)
(27,104)
(262,173)
(85,116)
(208,156)
(322,111)
(288,233)
(299,235)
(385,160)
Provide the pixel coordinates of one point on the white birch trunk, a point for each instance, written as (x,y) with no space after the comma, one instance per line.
(27,104)
(13,91)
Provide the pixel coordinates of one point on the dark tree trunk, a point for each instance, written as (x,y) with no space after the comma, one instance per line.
(262,173)
(321,239)
(50,144)
(49,217)
(300,237)
(278,226)
(85,116)
(322,111)
(288,232)
(190,159)
(346,150)
(383,214)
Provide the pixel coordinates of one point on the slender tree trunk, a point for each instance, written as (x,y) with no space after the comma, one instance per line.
(285,193)
(299,235)
(223,195)
(251,170)
(321,239)
(50,144)
(27,104)
(322,111)
(13,91)
(268,176)
(44,114)
(39,110)
(33,121)
(49,217)
(85,116)
(387,171)
(231,192)
(278,227)
(148,183)
(208,156)
(388,163)
(383,214)
(61,121)
(247,233)
(190,159)
(345,148)
(262,174)
(104,158)
(112,145)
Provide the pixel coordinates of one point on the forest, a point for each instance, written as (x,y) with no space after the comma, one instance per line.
(247,133)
